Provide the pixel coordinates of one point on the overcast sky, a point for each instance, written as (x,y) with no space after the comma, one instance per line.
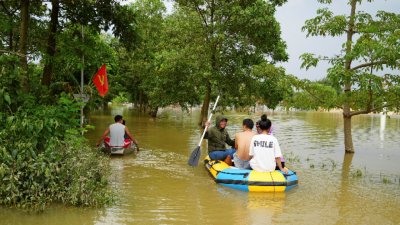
(292,16)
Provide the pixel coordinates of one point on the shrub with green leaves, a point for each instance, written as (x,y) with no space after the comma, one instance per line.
(44,159)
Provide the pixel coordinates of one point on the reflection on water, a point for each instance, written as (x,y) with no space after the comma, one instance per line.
(55,215)
(344,195)
(265,208)
(156,186)
(382,127)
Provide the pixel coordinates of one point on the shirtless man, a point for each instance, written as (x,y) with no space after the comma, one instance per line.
(242,144)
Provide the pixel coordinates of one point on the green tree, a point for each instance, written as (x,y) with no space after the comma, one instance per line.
(23,45)
(372,45)
(235,35)
(97,15)
(311,95)
(272,85)
(138,67)
(27,41)
(8,25)
(97,49)
(159,72)
(177,65)
(17,73)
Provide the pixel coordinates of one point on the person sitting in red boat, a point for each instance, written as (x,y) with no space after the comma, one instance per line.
(117,135)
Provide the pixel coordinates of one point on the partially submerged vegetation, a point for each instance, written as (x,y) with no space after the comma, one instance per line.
(44,159)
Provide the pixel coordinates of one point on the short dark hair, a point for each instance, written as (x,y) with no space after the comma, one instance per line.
(248,123)
(117,118)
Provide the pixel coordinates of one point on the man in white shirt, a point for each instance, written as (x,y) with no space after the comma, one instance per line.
(265,152)
(117,132)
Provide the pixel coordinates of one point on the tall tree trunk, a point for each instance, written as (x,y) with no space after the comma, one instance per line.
(10,42)
(10,15)
(206,104)
(140,101)
(212,45)
(105,105)
(348,139)
(153,112)
(51,43)
(23,42)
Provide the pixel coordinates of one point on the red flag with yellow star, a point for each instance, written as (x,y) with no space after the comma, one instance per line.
(100,80)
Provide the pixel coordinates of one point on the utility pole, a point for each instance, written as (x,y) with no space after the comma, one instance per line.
(82,71)
(81,97)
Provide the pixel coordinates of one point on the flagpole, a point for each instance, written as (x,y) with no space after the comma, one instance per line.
(83,62)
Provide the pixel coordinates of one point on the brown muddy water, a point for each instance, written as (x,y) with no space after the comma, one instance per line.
(156,186)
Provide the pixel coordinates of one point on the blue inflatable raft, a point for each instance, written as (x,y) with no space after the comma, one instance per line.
(250,180)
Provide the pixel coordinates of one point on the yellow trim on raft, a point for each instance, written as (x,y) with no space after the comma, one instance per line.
(266,176)
(217,167)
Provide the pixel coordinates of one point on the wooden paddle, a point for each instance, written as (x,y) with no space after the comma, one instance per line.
(195,156)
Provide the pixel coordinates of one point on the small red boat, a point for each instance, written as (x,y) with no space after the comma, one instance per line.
(127,148)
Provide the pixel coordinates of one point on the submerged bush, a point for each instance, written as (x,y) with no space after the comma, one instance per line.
(44,159)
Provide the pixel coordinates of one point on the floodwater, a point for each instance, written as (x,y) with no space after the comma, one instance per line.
(156,186)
